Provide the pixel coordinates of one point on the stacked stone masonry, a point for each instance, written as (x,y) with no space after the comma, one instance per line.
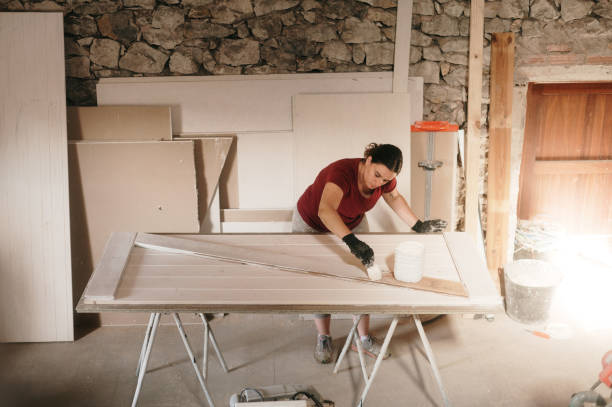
(122,38)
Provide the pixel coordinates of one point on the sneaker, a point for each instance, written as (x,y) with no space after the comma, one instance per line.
(323,349)
(371,347)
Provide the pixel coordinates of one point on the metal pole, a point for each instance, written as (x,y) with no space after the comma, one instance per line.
(379,359)
(144,343)
(347,343)
(430,356)
(179,325)
(145,360)
(213,341)
(428,174)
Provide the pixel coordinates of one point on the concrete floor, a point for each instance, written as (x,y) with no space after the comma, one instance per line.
(482,363)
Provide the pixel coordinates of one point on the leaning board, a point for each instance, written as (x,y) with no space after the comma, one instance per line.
(154,280)
(35,287)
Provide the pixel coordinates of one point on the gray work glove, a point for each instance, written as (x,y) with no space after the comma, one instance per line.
(360,249)
(434,225)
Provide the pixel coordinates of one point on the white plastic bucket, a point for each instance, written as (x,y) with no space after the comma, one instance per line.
(409,261)
(530,286)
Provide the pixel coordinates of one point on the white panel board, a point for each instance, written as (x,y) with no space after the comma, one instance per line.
(35,267)
(265,170)
(331,127)
(241,103)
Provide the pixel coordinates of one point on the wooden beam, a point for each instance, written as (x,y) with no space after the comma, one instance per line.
(500,137)
(472,136)
(401,60)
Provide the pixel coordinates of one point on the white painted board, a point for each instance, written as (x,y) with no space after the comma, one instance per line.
(241,103)
(265,170)
(35,266)
(331,127)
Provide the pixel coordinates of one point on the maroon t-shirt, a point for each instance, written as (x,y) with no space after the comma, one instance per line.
(353,205)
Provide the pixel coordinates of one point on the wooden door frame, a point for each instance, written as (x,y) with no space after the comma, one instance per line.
(538,74)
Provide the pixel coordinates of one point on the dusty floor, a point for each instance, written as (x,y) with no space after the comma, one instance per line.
(482,363)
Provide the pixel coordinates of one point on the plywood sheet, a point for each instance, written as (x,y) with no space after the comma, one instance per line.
(119,123)
(128,186)
(35,278)
(174,281)
(211,154)
(331,127)
(443,193)
(265,170)
(241,103)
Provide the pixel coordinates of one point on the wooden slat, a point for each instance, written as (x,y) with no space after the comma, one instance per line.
(119,123)
(472,136)
(35,270)
(571,167)
(277,260)
(500,135)
(401,60)
(107,274)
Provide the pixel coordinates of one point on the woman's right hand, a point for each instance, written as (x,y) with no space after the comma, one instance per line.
(360,249)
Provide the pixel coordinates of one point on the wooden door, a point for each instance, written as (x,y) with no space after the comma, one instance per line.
(566,172)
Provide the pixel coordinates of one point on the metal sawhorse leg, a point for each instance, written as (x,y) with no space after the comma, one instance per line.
(147,345)
(368,380)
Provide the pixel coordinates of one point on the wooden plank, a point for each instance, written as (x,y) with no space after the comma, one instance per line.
(107,274)
(331,127)
(500,140)
(119,123)
(235,103)
(302,265)
(401,60)
(35,270)
(127,186)
(569,167)
(472,136)
(444,191)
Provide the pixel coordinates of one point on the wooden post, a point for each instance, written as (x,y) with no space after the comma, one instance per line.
(472,136)
(500,135)
(401,61)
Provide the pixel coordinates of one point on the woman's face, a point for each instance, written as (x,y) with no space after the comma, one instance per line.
(376,175)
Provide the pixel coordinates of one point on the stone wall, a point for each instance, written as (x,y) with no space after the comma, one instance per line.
(112,38)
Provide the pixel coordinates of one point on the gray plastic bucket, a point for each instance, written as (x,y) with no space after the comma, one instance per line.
(530,287)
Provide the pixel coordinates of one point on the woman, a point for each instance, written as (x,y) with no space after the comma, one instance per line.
(337,202)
